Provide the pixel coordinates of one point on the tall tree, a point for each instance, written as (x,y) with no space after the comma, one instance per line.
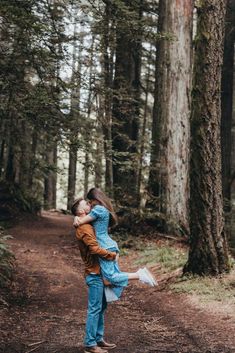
(29,102)
(75,115)
(208,252)
(168,182)
(227,101)
(145,128)
(126,99)
(87,129)
(107,63)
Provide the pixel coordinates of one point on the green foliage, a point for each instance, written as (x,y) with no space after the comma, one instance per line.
(207,288)
(6,261)
(168,257)
(14,200)
(25,200)
(32,48)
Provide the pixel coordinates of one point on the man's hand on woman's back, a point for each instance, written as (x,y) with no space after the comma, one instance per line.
(76,221)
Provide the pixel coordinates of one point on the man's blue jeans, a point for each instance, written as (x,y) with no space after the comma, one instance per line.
(95,312)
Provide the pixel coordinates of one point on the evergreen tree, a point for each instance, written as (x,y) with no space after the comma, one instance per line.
(208,252)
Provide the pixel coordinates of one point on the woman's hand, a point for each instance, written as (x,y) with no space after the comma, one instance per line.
(76,221)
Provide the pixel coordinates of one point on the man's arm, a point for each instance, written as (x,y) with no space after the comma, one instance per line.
(90,240)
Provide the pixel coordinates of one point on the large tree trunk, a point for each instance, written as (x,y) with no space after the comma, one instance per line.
(208,252)
(168,180)
(227,97)
(227,109)
(232,176)
(126,105)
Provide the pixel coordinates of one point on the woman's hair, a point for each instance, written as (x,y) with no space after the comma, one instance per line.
(98,195)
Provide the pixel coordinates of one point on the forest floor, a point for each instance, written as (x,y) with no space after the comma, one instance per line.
(47,310)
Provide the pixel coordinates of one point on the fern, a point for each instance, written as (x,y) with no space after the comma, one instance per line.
(6,261)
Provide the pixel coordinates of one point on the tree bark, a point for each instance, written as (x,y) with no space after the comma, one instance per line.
(227,108)
(34,143)
(88,124)
(143,171)
(72,174)
(169,176)
(86,164)
(99,155)
(50,180)
(232,176)
(126,104)
(75,117)
(208,252)
(107,67)
(25,155)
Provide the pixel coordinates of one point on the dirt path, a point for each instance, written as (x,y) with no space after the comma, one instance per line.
(49,312)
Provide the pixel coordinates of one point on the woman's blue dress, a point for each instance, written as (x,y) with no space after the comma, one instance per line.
(109,269)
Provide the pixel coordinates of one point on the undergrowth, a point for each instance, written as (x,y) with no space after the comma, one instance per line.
(168,257)
(6,261)
(221,288)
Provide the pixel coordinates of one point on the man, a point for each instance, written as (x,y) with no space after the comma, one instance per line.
(90,252)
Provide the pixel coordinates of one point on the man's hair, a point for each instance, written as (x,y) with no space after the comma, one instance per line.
(75,205)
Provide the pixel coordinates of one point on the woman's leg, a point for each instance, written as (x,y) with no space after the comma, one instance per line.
(133,275)
(143,275)
(111,273)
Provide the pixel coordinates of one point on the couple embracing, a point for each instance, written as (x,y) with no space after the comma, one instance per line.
(100,254)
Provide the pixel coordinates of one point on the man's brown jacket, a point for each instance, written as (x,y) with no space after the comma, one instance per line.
(90,249)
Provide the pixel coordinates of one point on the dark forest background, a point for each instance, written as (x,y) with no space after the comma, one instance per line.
(132,96)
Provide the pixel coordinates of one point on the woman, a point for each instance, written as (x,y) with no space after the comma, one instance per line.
(102,216)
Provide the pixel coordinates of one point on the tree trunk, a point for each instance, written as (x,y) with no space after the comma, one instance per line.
(227,109)
(72,174)
(75,116)
(54,177)
(208,252)
(25,155)
(3,135)
(88,124)
(169,181)
(10,168)
(86,165)
(232,176)
(50,180)
(98,156)
(33,157)
(143,142)
(126,105)
(107,67)
(2,153)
